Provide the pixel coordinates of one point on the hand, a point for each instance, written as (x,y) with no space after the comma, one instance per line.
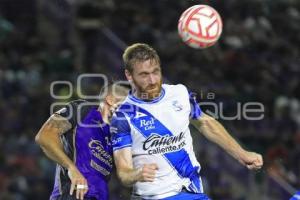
(252,160)
(147,172)
(78,182)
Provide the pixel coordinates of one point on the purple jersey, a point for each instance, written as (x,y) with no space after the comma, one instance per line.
(88,145)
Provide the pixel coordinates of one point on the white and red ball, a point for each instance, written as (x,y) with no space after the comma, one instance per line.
(200,26)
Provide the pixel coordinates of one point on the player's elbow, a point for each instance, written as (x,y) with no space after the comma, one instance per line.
(40,139)
(46,134)
(37,139)
(43,136)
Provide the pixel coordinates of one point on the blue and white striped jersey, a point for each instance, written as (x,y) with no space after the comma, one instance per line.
(158,132)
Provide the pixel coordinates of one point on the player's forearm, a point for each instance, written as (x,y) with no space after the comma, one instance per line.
(128,177)
(57,155)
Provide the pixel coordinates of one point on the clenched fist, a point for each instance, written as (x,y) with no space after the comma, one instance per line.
(252,160)
(147,172)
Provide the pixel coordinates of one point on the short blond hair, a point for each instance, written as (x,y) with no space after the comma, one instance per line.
(138,52)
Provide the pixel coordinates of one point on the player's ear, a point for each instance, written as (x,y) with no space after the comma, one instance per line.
(128,75)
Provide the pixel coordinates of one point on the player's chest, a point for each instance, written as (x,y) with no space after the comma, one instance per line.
(172,114)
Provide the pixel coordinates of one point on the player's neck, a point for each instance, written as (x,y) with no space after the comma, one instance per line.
(146,96)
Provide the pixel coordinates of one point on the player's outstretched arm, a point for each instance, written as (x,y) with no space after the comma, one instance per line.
(48,138)
(126,172)
(216,133)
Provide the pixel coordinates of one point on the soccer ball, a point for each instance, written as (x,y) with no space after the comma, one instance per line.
(200,26)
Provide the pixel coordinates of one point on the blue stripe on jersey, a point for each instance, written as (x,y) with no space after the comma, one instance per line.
(296,196)
(180,160)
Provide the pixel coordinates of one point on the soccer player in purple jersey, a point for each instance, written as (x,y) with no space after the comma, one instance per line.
(77,138)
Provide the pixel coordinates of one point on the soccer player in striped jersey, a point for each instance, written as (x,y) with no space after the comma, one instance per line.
(77,138)
(151,139)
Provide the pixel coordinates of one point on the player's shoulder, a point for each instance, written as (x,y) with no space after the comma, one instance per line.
(119,121)
(175,88)
(74,108)
(125,111)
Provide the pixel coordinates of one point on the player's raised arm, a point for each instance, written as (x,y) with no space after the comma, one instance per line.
(215,132)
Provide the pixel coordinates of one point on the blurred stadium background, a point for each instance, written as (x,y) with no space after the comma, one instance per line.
(256,59)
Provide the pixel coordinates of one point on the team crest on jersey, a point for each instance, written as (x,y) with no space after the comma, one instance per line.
(177,106)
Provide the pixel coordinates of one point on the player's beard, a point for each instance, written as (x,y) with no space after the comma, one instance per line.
(150,92)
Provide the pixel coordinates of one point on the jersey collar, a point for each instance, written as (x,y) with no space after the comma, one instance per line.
(155,100)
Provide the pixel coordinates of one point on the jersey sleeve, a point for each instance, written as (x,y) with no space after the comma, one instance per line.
(72,110)
(120,132)
(196,111)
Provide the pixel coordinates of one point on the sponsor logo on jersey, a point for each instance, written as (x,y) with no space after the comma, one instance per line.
(98,151)
(157,144)
(139,114)
(99,168)
(147,124)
